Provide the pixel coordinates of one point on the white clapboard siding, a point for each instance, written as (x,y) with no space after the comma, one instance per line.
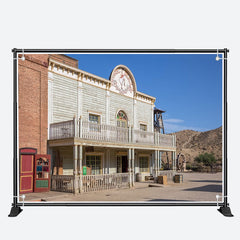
(120,102)
(93,100)
(64,98)
(144,114)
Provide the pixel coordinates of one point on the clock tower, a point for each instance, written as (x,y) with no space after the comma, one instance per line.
(122,81)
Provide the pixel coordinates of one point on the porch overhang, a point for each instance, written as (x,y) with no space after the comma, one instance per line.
(87,142)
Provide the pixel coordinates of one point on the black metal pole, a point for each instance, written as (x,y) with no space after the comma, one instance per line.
(225,209)
(122,50)
(15,210)
(225,134)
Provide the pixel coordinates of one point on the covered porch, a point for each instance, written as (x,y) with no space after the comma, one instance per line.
(108,167)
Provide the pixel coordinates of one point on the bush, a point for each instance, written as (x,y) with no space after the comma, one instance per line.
(206,160)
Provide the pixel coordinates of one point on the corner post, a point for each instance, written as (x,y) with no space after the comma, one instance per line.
(225,209)
(15,210)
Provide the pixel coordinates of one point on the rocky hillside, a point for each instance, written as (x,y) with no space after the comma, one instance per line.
(192,143)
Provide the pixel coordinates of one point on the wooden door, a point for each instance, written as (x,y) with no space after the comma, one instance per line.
(124,164)
(26,169)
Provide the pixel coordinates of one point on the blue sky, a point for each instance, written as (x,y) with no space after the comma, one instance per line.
(187,86)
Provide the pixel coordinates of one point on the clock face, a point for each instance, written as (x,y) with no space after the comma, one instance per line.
(121,81)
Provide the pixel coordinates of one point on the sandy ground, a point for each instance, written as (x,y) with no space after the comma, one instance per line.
(195,187)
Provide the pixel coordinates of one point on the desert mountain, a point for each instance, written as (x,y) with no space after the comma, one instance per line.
(192,143)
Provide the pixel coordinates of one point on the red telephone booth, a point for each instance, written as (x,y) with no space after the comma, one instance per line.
(26,169)
(42,177)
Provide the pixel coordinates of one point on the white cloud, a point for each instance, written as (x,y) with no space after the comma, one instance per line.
(173,120)
(170,127)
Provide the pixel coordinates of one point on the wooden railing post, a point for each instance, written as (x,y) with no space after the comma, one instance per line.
(129,134)
(80,127)
(75,126)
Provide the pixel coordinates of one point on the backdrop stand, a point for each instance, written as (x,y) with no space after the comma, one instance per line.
(225,211)
(15,211)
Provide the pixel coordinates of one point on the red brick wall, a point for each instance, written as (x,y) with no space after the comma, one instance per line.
(64,59)
(33,101)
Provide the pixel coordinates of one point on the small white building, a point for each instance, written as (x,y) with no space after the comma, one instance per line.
(106,125)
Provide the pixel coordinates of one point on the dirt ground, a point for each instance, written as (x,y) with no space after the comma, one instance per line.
(195,187)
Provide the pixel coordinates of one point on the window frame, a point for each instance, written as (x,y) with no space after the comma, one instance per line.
(148,163)
(101,161)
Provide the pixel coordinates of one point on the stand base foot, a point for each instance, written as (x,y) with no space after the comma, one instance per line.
(225,211)
(15,211)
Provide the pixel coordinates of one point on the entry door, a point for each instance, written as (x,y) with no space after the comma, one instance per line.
(124,164)
(26,169)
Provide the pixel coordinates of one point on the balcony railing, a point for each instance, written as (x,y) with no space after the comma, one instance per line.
(108,133)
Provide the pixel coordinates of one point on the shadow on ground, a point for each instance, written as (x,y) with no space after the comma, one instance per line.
(211,181)
(166,200)
(207,188)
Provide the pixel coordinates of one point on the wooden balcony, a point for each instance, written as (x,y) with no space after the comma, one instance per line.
(108,133)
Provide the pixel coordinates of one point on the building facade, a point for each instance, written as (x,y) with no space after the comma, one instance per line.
(33,102)
(105,125)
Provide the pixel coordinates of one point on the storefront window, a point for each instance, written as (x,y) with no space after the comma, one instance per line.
(94,162)
(144,164)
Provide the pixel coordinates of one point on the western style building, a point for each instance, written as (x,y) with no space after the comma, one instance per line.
(100,132)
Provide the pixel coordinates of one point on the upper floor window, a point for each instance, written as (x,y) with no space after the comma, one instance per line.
(122,119)
(94,121)
(94,118)
(143,127)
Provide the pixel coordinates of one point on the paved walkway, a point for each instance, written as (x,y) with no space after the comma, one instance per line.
(196,187)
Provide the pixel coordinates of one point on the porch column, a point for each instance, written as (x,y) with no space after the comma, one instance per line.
(155,163)
(75,163)
(129,166)
(174,161)
(133,168)
(108,161)
(80,150)
(160,160)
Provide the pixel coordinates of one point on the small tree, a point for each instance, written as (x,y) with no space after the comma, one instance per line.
(207,159)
